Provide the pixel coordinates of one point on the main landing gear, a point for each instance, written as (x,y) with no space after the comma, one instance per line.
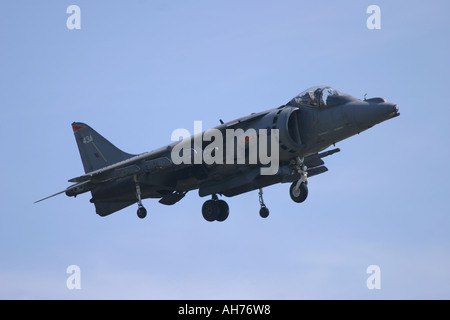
(141,211)
(218,210)
(215,210)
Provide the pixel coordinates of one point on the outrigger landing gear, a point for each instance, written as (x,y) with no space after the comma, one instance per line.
(299,189)
(264,211)
(215,210)
(141,211)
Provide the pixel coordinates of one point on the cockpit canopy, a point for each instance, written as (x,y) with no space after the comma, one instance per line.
(320,97)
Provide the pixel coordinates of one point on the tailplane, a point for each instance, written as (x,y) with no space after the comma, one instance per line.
(96,152)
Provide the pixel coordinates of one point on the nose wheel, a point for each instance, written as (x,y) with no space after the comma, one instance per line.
(299,189)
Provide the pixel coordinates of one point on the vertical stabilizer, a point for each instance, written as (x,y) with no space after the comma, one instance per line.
(96,152)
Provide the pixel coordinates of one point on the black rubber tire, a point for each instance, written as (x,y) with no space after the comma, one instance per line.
(264,212)
(300,196)
(210,210)
(142,212)
(224,210)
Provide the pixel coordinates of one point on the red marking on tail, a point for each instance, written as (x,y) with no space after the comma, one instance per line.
(76,127)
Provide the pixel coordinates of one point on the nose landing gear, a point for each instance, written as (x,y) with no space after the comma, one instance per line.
(299,189)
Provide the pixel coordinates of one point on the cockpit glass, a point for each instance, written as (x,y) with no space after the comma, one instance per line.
(319,96)
(326,94)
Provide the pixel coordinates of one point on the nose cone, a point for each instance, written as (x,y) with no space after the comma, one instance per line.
(371,113)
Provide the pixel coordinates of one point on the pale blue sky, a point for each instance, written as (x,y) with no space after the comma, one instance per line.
(137,70)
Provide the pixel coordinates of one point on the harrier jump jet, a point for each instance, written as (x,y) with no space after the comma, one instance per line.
(305,126)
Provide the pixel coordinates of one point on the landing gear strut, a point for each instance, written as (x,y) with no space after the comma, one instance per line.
(264,211)
(299,189)
(215,210)
(141,211)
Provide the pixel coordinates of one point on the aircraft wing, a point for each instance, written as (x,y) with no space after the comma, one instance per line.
(241,121)
(145,162)
(149,161)
(248,179)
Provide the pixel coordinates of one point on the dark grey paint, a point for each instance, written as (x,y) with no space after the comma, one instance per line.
(307,127)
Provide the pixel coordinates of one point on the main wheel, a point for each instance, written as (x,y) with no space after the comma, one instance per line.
(264,212)
(141,212)
(210,210)
(298,195)
(224,210)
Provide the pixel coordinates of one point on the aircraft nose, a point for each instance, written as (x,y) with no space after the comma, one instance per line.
(385,111)
(396,110)
(373,113)
(393,112)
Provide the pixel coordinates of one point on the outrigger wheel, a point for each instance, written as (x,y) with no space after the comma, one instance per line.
(263,211)
(141,211)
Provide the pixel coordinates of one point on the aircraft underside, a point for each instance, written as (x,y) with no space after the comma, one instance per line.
(116,195)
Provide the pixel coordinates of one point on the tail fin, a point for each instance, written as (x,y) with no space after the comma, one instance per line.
(96,152)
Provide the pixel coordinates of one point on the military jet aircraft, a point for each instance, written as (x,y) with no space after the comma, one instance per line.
(306,126)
